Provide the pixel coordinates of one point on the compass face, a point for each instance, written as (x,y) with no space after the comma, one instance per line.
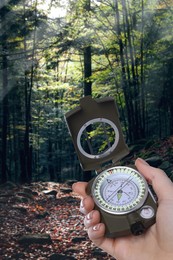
(119,190)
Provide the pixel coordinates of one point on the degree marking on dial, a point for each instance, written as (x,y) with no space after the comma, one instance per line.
(115,180)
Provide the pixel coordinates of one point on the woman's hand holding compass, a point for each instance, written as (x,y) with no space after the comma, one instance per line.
(156,242)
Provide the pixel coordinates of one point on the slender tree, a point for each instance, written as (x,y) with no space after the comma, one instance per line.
(87,73)
(4,98)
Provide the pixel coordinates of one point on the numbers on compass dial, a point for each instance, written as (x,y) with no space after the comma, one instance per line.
(119,190)
(115,194)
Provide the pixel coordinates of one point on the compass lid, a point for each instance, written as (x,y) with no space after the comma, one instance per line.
(96,132)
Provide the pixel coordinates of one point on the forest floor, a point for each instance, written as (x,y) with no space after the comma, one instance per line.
(42,220)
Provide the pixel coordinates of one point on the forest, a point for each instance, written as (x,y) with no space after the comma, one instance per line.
(54,52)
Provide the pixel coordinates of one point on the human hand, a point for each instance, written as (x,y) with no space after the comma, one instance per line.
(156,243)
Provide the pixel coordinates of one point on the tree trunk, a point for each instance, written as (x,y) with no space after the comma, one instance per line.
(50,161)
(143,108)
(4,116)
(87,77)
(4,101)
(87,71)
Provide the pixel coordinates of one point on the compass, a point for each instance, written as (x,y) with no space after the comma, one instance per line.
(121,194)
(119,190)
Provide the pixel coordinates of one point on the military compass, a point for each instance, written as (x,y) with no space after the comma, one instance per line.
(121,194)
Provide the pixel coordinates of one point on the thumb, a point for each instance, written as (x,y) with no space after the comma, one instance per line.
(162,185)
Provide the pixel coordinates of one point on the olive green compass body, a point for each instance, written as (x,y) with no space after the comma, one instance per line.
(126,204)
(121,194)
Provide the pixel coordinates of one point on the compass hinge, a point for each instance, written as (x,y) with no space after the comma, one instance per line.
(107,165)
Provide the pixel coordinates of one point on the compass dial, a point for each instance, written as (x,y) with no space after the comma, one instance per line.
(119,190)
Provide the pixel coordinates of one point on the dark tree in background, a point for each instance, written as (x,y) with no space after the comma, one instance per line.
(87,74)
(4,105)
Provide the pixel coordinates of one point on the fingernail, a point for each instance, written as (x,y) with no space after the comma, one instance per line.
(96,227)
(82,206)
(142,161)
(89,216)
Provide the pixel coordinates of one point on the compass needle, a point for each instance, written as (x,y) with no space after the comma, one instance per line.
(119,194)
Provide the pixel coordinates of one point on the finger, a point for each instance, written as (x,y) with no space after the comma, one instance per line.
(162,185)
(80,188)
(92,218)
(87,203)
(96,235)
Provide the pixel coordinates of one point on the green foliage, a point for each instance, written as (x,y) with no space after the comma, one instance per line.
(132,61)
